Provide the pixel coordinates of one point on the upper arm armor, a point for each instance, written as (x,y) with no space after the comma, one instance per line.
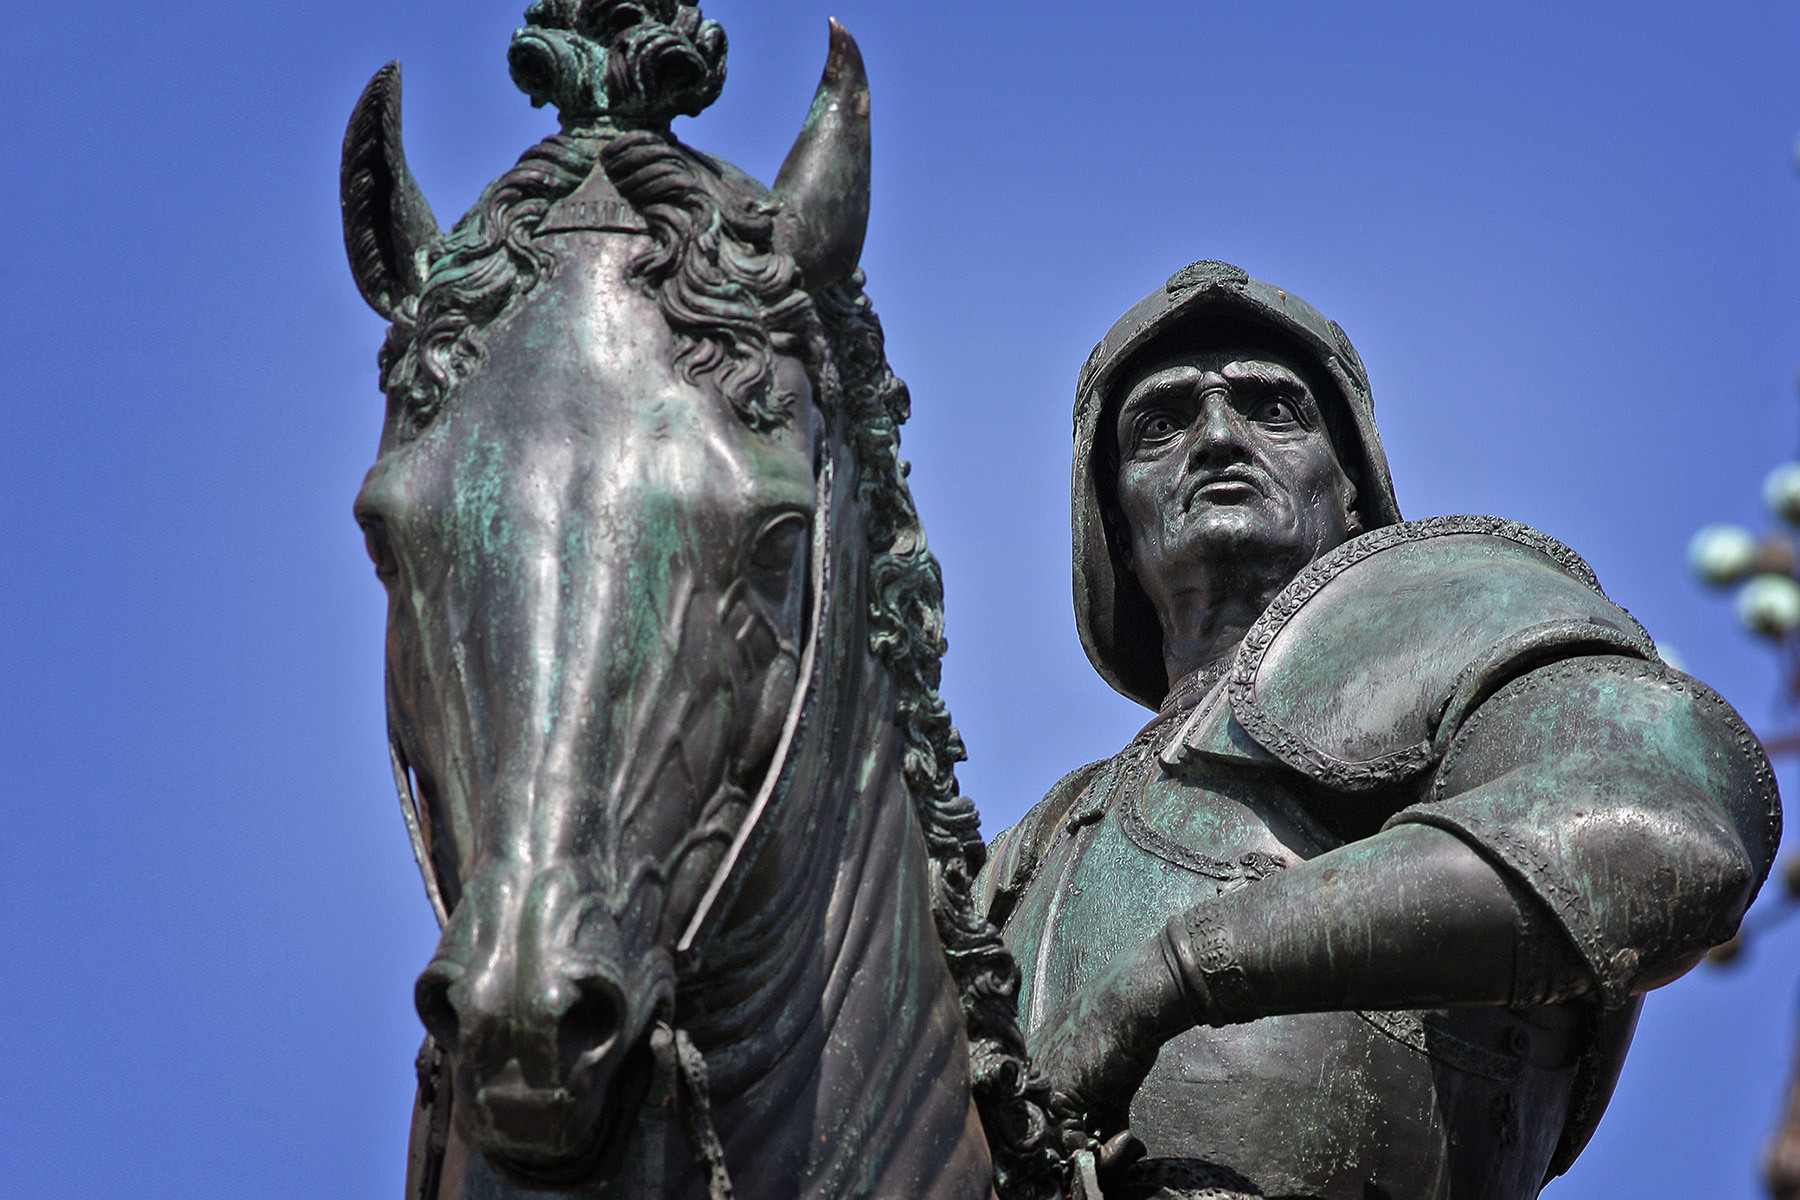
(1630,799)
(1474,665)
(1015,852)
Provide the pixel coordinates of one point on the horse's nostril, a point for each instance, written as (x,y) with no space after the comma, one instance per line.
(591,1025)
(431,996)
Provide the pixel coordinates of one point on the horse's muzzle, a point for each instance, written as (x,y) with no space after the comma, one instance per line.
(557,1139)
(548,1034)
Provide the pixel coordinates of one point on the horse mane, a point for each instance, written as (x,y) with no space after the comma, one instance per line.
(733,302)
(479,271)
(906,598)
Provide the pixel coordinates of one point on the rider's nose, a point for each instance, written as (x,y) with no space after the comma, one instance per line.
(1218,429)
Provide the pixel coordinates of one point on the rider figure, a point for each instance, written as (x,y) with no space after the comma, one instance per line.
(1368,908)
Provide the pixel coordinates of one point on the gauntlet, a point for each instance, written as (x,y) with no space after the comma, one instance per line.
(1410,918)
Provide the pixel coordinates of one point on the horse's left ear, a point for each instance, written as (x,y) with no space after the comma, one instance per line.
(388,226)
(823,187)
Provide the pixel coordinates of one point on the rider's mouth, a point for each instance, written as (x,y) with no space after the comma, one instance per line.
(1231,486)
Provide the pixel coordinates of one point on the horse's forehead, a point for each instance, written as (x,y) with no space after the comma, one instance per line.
(591,351)
(582,374)
(587,336)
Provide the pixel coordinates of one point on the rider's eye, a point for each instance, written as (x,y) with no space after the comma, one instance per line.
(1158,427)
(1277,412)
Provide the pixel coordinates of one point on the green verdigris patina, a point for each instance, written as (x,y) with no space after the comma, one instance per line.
(1365,911)
(1368,908)
(662,664)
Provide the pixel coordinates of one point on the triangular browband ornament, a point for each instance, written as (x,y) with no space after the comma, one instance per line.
(596,205)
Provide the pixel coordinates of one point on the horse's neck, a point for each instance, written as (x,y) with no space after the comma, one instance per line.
(831,1027)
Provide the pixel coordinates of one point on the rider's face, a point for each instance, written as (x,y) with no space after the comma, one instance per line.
(1225,464)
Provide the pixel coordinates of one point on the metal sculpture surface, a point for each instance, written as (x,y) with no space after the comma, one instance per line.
(1368,908)
(663,646)
(1366,911)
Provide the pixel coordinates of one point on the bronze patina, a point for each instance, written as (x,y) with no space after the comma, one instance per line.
(1368,908)
(662,663)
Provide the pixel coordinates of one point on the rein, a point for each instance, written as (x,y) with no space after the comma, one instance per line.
(802,690)
(679,1062)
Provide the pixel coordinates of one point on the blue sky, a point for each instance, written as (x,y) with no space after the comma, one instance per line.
(1566,245)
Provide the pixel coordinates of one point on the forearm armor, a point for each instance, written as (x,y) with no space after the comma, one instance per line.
(1412,918)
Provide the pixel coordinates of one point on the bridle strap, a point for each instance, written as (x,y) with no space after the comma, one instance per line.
(413,812)
(680,1062)
(821,545)
(683,1071)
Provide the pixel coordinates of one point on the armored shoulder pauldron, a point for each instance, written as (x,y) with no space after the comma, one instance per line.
(1363,668)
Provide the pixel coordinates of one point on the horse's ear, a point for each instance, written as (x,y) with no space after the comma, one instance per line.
(823,187)
(388,226)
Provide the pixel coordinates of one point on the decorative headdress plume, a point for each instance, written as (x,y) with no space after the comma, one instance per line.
(635,64)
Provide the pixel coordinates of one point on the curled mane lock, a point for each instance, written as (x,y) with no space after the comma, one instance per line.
(906,606)
(479,271)
(608,66)
(731,300)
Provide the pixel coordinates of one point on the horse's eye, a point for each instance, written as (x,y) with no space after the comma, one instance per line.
(381,551)
(779,543)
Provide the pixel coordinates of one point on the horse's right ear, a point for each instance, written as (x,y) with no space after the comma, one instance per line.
(388,226)
(823,187)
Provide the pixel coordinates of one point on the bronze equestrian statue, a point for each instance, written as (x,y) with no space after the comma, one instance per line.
(1420,817)
(662,664)
(1369,907)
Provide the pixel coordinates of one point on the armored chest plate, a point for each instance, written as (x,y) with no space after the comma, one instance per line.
(1327,1105)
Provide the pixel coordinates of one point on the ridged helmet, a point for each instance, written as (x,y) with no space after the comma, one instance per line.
(1204,306)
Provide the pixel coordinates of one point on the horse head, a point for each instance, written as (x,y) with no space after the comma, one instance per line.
(616,431)
(596,528)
